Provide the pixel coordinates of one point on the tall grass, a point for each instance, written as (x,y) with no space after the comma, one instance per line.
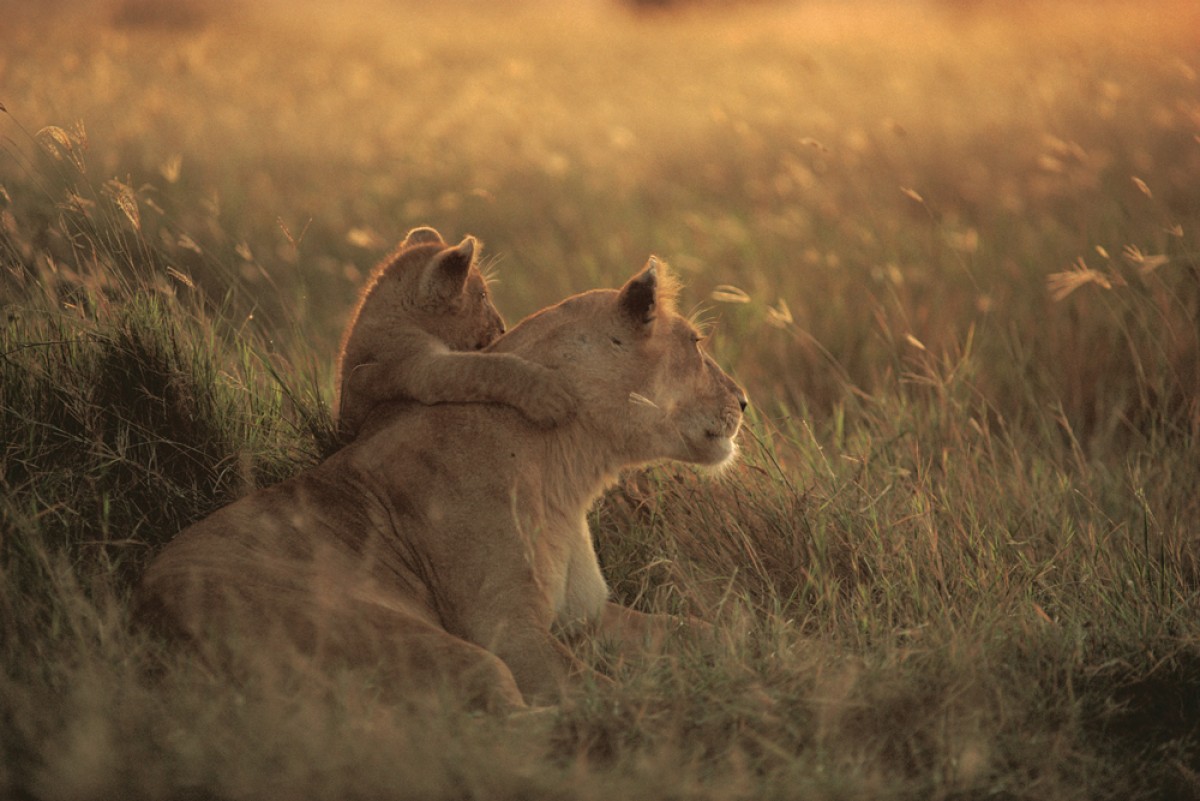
(951,256)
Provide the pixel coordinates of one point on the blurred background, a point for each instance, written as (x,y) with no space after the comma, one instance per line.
(834,180)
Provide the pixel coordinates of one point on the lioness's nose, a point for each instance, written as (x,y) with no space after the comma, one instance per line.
(742,401)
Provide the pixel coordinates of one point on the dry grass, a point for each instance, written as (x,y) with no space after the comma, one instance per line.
(951,254)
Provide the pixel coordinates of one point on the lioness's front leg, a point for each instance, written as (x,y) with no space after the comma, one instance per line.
(503,607)
(633,631)
(541,665)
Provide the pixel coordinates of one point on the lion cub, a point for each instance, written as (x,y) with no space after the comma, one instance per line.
(415,335)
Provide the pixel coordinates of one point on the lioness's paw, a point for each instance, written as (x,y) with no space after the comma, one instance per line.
(549,401)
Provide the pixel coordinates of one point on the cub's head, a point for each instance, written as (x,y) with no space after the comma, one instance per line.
(441,289)
(645,384)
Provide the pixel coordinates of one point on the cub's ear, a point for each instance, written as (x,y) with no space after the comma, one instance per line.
(446,276)
(423,236)
(638,300)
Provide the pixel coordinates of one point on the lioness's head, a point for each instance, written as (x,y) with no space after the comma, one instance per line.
(640,371)
(443,289)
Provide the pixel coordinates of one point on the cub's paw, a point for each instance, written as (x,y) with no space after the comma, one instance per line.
(548,401)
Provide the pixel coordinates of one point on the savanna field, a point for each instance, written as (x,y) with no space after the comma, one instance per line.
(949,248)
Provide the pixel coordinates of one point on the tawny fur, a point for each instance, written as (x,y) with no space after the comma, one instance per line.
(448,545)
(416,333)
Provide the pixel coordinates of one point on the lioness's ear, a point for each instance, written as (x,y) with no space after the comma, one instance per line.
(423,236)
(446,275)
(638,300)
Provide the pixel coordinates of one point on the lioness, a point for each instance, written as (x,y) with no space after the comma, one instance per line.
(424,309)
(449,543)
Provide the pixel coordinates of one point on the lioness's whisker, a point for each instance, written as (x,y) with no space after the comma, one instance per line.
(642,400)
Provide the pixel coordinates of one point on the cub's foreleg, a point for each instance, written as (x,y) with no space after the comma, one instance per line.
(537,392)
